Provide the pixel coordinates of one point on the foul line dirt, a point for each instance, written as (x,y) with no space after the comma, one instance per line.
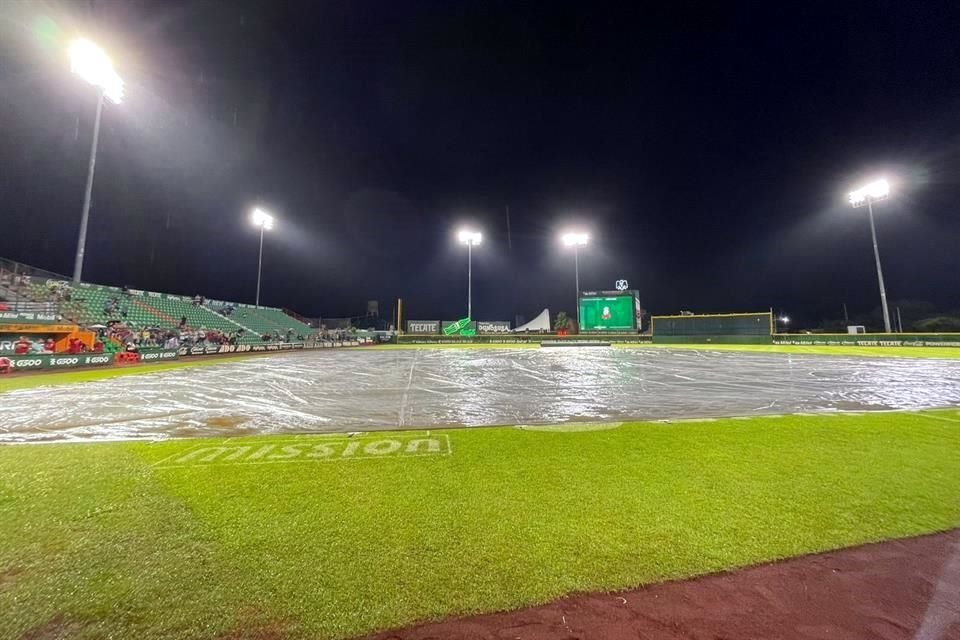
(890,591)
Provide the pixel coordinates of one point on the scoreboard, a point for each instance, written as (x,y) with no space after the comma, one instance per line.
(608,311)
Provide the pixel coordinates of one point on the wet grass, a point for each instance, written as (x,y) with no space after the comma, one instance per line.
(100,540)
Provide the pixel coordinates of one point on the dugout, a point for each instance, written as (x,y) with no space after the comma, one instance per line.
(717,328)
(61,333)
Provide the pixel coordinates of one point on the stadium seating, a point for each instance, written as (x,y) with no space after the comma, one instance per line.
(173,308)
(267,320)
(91,304)
(88,303)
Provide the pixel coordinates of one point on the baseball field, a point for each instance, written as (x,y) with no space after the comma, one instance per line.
(290,533)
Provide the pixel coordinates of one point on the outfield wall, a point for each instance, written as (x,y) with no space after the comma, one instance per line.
(713,328)
(871,339)
(33,362)
(708,339)
(519,338)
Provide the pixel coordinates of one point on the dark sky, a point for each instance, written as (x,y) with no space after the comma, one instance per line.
(707,147)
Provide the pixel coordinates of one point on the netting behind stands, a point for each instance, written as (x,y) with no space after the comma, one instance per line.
(733,324)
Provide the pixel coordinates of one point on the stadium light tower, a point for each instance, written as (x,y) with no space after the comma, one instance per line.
(91,63)
(263,220)
(877,190)
(576,239)
(469,238)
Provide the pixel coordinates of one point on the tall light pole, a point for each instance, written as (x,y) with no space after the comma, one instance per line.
(91,63)
(576,239)
(263,220)
(469,238)
(877,190)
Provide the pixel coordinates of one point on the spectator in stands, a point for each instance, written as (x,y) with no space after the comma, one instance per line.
(172,342)
(50,346)
(183,323)
(22,346)
(110,306)
(98,346)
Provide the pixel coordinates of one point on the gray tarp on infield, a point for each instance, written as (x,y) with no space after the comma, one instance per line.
(358,390)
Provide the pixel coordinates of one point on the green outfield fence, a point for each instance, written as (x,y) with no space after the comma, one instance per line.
(717,328)
(519,338)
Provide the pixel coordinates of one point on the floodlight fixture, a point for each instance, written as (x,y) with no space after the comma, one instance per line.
(262,219)
(876,190)
(92,63)
(575,239)
(469,237)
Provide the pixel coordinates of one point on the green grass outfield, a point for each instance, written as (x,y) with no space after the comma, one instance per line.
(165,540)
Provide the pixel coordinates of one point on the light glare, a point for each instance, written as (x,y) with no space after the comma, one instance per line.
(262,219)
(575,239)
(467,236)
(91,63)
(876,190)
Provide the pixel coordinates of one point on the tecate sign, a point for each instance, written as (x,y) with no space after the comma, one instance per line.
(423,326)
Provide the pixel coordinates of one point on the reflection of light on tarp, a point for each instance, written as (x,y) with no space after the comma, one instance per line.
(356,390)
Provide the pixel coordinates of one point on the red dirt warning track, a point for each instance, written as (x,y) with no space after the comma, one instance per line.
(890,591)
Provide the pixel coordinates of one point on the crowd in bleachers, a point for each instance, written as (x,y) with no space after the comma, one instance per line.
(126,319)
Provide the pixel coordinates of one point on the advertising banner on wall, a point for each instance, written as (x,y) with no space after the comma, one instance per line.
(57,361)
(150,354)
(493,326)
(453,327)
(423,326)
(29,317)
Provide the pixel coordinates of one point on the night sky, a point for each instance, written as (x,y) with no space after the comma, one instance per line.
(707,148)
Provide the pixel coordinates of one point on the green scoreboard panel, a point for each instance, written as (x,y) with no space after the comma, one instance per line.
(611,312)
